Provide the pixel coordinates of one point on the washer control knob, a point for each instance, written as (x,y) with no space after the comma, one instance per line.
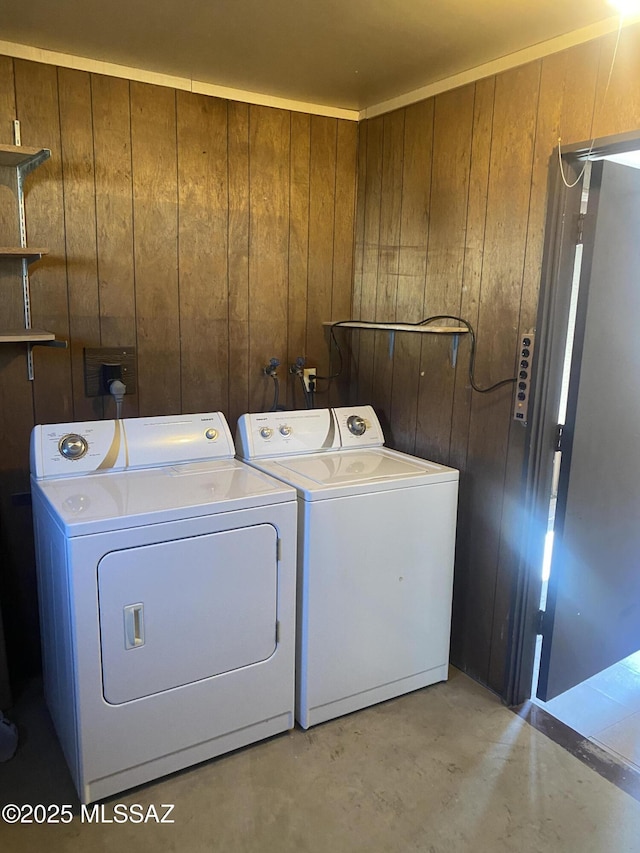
(266,432)
(285,429)
(211,434)
(73,446)
(356,424)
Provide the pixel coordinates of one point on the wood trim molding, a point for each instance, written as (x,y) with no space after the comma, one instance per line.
(504,63)
(140,75)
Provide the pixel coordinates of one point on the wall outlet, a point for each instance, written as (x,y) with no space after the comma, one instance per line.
(94,374)
(523,382)
(307,374)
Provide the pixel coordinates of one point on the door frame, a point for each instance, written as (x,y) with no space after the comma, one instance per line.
(541,432)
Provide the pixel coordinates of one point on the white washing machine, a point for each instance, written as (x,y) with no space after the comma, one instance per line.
(166,575)
(376,539)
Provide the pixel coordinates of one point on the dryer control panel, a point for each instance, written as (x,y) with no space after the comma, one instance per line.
(61,450)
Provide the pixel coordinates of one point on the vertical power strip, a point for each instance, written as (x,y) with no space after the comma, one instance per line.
(523,384)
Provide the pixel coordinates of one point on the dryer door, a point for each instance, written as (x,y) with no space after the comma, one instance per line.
(176,612)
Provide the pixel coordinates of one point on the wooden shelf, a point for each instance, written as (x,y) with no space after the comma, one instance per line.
(21,156)
(22,252)
(16,336)
(430,329)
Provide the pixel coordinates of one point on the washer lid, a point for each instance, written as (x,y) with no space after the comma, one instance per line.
(340,468)
(104,502)
(323,475)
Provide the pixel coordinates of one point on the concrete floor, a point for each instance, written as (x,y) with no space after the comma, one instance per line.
(447,769)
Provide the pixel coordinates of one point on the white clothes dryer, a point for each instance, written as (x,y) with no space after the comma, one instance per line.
(376,540)
(166,576)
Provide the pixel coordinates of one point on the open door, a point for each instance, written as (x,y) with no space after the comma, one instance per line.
(593,604)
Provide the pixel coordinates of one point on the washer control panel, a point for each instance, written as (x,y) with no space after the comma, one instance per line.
(307,431)
(358,426)
(285,433)
(61,450)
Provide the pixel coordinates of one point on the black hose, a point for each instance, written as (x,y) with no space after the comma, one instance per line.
(276,392)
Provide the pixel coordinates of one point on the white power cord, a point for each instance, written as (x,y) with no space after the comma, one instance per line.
(117,389)
(572,184)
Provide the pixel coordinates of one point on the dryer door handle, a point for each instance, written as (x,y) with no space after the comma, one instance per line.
(133,626)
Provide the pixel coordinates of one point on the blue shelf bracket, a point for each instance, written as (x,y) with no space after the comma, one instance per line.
(455,341)
(392,343)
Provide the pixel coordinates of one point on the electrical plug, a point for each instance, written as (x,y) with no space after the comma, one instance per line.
(117,389)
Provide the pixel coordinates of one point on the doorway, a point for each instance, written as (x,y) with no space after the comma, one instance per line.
(586,660)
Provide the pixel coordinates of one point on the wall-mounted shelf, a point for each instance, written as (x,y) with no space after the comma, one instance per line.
(16,162)
(15,336)
(22,157)
(398,327)
(30,255)
(392,328)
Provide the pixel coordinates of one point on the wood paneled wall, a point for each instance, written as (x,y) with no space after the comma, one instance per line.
(450,219)
(211,235)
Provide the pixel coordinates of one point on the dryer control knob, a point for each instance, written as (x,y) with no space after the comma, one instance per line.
(266,432)
(356,425)
(73,446)
(285,429)
(211,434)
